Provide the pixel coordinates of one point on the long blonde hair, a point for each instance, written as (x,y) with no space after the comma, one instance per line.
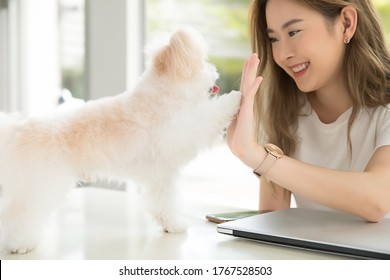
(366,62)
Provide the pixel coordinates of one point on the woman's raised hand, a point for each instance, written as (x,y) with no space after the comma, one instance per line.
(240,137)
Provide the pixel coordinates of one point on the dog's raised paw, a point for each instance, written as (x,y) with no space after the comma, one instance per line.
(235,97)
(231,102)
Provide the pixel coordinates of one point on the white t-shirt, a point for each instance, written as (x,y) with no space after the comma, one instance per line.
(326,145)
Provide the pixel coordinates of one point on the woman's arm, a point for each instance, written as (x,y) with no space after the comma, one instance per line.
(366,194)
(273,197)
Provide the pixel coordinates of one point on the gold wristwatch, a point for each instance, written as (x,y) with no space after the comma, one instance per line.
(274,153)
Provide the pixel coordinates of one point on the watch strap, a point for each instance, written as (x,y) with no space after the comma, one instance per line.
(265,165)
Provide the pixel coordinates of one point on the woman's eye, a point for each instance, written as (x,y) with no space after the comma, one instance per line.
(273,40)
(292,33)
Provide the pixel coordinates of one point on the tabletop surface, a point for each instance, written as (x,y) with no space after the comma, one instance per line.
(96,224)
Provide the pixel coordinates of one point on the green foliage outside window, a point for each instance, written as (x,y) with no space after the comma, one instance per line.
(383,8)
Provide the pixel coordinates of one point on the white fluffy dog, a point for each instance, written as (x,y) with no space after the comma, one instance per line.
(145,135)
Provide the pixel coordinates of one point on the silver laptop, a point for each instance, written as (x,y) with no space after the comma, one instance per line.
(327,231)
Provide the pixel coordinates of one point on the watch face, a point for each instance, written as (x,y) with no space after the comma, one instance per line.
(274,150)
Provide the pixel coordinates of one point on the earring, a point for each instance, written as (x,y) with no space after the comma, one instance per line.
(347,39)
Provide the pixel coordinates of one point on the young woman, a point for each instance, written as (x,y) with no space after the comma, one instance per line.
(323,102)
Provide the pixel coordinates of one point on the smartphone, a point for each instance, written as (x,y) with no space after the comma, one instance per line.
(226,217)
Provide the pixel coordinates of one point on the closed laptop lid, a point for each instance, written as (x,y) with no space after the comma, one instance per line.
(328,231)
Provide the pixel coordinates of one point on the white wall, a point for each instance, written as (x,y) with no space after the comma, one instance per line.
(106,47)
(113,40)
(41,77)
(135,40)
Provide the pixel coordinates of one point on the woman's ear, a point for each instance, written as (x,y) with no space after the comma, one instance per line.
(349,19)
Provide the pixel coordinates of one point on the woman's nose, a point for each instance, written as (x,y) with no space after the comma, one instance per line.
(284,51)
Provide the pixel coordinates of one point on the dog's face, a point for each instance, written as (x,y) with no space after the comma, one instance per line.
(184,61)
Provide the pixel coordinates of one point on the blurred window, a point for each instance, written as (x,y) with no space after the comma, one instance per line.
(223,23)
(72,46)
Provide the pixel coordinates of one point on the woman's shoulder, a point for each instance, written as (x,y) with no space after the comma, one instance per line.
(381,112)
(379,118)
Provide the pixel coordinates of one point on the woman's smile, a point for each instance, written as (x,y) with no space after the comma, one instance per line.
(300,69)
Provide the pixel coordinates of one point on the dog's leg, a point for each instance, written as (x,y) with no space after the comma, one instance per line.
(162,202)
(20,227)
(216,114)
(225,107)
(26,211)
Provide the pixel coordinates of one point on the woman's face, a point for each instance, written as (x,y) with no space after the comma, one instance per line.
(305,45)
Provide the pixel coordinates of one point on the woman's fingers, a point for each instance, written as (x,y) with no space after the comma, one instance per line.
(243,74)
(240,137)
(249,80)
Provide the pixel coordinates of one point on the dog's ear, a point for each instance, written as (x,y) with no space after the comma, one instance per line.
(183,57)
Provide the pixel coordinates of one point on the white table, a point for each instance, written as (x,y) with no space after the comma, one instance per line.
(95,223)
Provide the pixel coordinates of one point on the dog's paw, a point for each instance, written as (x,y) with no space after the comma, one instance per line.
(17,243)
(22,250)
(176,227)
(231,102)
(235,98)
(172,225)
(235,94)
(20,247)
